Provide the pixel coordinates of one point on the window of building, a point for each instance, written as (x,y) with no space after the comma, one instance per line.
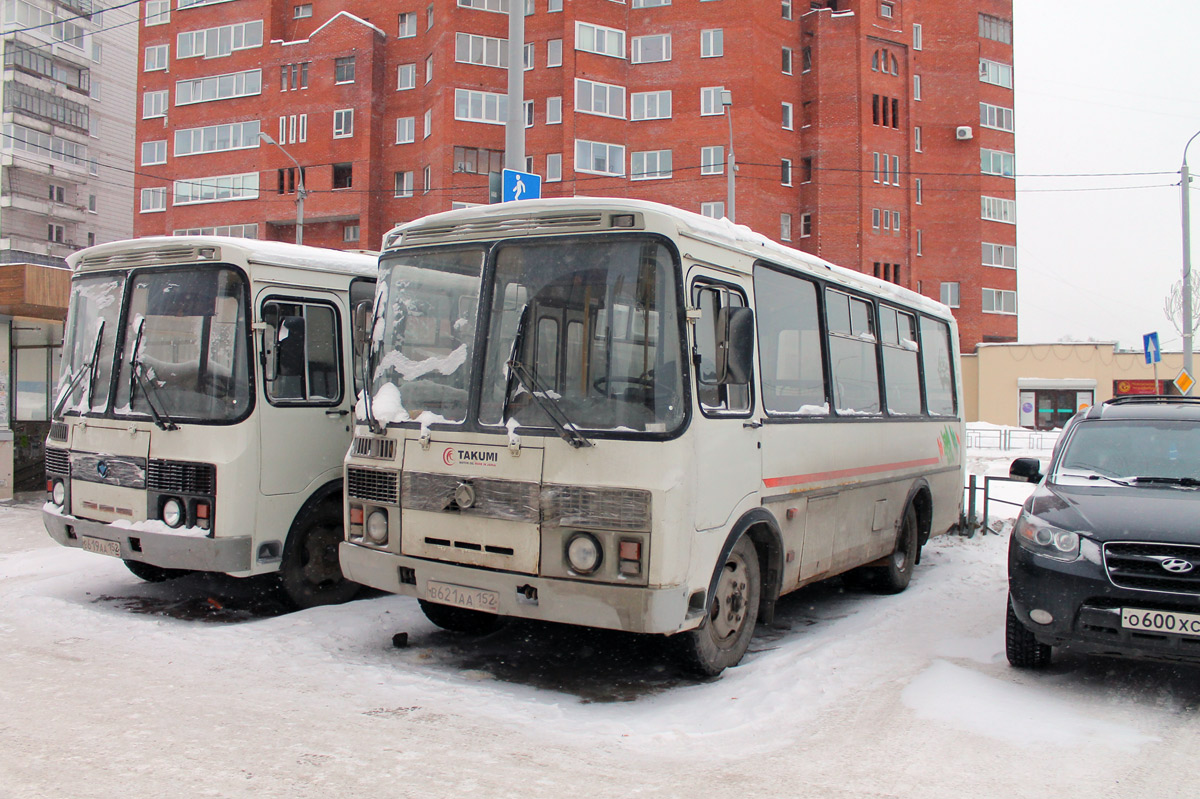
(428,69)
(154,104)
(650,105)
(553,167)
(650,165)
(788,116)
(916,87)
(495,6)
(302,11)
(553,110)
(787,9)
(154,200)
(917,139)
(601,99)
(649,3)
(918,194)
(287,180)
(920,242)
(529,55)
(217,138)
(427,179)
(599,40)
(528,107)
(916,31)
(343,123)
(292,77)
(427,128)
(599,158)
(710,101)
(343,69)
(554,53)
(554,6)
(995,28)
(158,12)
(996,117)
(786,61)
(293,128)
(156,58)
(220,41)
(475,106)
(996,73)
(218,188)
(58,194)
(350,233)
(949,294)
(406,77)
(712,160)
(650,49)
(406,130)
(998,209)
(343,175)
(154,152)
(712,43)
(806,170)
(407,25)
(477,160)
(998,301)
(485,51)
(714,210)
(895,221)
(805,225)
(785,227)
(429,16)
(887,10)
(997,162)
(806,60)
(876,224)
(1001,255)
(785,171)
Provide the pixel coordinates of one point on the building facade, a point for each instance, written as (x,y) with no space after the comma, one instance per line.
(875,133)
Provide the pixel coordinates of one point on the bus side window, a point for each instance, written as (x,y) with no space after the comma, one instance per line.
(852,343)
(940,398)
(901,375)
(308,367)
(789,337)
(715,397)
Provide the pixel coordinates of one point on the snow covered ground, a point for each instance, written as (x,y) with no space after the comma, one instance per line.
(202,687)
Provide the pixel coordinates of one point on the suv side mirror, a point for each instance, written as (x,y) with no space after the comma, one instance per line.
(735,345)
(1027,469)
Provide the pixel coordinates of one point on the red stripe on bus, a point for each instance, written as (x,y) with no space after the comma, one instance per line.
(816,477)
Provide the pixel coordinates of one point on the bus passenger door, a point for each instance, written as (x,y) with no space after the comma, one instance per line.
(727,464)
(305,409)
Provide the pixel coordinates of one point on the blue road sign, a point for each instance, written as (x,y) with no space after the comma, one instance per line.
(520,186)
(1150,343)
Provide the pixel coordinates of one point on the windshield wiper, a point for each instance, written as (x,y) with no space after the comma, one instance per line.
(368,378)
(88,368)
(137,377)
(519,373)
(1097,476)
(1187,482)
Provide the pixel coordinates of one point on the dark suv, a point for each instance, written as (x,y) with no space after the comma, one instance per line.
(1105,556)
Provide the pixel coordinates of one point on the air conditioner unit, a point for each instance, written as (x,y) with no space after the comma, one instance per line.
(963,133)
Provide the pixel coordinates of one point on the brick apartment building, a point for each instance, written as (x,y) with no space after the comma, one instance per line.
(875,133)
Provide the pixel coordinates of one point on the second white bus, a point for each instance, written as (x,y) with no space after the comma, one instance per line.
(621,415)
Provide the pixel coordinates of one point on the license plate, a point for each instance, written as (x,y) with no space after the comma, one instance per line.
(1161,621)
(460,596)
(101,546)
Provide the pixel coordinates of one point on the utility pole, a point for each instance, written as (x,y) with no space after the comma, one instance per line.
(514,128)
(1185,203)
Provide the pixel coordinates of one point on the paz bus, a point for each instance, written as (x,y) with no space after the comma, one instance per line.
(203,409)
(618,414)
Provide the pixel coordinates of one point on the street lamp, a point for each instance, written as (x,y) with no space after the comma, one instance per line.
(730,164)
(1184,185)
(300,192)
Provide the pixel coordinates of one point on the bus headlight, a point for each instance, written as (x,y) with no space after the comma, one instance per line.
(172,512)
(58,493)
(377,527)
(584,553)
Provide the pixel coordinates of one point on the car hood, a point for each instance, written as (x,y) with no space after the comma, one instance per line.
(1120,513)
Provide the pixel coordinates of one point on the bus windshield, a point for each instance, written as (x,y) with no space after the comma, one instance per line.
(596,329)
(185,346)
(89,344)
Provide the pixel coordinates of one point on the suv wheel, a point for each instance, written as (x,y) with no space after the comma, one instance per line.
(1023,649)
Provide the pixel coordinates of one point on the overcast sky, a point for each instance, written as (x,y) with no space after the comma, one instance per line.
(1104,87)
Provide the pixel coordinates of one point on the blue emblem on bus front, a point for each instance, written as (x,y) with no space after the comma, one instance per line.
(102,468)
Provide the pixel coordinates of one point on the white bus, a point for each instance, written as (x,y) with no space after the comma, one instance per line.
(203,409)
(621,415)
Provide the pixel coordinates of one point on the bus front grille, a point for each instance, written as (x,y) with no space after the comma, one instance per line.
(383,449)
(381,486)
(181,477)
(58,462)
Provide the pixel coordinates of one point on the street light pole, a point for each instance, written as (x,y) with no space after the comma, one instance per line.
(514,128)
(1185,203)
(730,163)
(300,191)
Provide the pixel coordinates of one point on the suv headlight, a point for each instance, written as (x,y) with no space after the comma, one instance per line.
(1045,539)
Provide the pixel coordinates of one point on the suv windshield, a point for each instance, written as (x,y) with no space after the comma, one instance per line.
(1130,449)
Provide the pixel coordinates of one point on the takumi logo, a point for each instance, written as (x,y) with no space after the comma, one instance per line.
(469,457)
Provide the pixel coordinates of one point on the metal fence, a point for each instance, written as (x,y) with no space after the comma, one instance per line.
(974,522)
(1007,438)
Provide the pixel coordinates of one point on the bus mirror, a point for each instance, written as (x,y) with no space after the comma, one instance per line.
(735,345)
(361,322)
(290,347)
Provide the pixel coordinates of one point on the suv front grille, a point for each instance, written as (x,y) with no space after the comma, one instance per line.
(181,477)
(1145,567)
(373,485)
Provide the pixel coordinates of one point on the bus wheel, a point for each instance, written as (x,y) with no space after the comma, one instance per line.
(153,574)
(895,576)
(310,573)
(460,620)
(724,636)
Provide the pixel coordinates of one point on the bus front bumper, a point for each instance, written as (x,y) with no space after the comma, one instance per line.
(636,609)
(168,550)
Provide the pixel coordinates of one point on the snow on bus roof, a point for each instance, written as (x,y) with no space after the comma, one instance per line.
(258,251)
(718,231)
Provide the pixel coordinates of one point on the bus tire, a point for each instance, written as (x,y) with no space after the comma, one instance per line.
(1023,650)
(154,574)
(723,637)
(309,572)
(896,574)
(460,620)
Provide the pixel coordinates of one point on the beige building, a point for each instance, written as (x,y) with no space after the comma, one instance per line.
(1041,385)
